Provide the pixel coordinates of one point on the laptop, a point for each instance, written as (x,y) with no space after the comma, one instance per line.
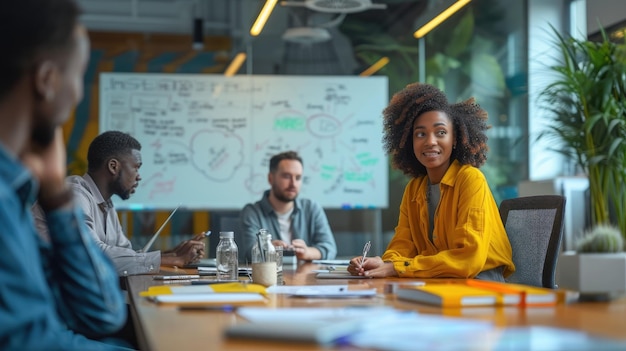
(151,241)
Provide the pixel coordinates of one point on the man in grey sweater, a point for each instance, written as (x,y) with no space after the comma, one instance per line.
(113,162)
(295,224)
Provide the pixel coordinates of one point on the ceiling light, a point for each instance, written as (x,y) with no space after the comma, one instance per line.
(235,64)
(258,25)
(440,18)
(375,67)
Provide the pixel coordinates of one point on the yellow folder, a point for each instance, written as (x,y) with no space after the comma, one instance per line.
(204,289)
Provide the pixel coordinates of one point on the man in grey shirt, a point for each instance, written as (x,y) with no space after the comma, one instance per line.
(113,161)
(295,224)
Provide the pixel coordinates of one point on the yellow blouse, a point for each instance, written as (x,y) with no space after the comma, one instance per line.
(468,237)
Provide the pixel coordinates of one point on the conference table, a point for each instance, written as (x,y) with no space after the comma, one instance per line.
(165,327)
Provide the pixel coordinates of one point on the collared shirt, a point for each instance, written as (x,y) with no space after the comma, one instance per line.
(106,229)
(51,292)
(468,236)
(308,222)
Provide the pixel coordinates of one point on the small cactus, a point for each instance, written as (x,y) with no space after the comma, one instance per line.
(602,238)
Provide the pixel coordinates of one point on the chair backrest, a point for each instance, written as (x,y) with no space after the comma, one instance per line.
(227,220)
(534,225)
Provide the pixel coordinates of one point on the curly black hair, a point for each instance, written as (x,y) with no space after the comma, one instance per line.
(468,119)
(110,144)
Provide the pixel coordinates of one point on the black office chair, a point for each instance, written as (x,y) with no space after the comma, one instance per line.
(534,225)
(226,220)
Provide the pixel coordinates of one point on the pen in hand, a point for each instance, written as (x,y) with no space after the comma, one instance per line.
(366,249)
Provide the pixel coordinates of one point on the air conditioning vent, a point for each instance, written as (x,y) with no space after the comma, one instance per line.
(306,35)
(336,6)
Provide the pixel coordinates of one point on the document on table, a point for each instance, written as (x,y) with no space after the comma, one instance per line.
(330,269)
(333,262)
(429,333)
(321,291)
(385,328)
(218,294)
(339,275)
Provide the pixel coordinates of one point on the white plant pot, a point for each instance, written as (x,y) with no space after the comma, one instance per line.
(601,275)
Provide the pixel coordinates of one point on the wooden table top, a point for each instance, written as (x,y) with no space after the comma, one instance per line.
(166,328)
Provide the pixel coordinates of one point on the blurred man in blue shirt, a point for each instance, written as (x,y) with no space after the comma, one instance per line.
(62,294)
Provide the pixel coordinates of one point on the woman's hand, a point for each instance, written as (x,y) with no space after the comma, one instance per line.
(372,267)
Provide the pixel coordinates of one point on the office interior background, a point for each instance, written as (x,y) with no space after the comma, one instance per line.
(497,51)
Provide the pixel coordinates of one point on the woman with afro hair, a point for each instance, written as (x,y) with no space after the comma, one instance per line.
(449,224)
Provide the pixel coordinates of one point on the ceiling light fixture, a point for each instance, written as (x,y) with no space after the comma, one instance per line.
(259,23)
(440,18)
(235,64)
(336,6)
(375,67)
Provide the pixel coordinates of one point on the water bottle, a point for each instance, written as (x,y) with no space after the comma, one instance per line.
(264,259)
(227,257)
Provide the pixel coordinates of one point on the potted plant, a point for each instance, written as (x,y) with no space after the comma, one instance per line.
(586,107)
(597,269)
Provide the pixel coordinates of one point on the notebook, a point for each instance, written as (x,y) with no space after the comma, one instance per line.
(527,295)
(452,295)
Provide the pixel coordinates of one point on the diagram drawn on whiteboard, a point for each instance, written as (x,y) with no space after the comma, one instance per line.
(207,140)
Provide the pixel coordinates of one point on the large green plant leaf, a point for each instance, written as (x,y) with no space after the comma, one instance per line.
(586,110)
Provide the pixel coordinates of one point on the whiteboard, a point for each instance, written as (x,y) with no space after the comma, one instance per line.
(207,139)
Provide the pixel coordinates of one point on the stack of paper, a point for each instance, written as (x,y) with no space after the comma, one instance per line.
(525,295)
(221,293)
(321,291)
(339,275)
(449,295)
(231,299)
